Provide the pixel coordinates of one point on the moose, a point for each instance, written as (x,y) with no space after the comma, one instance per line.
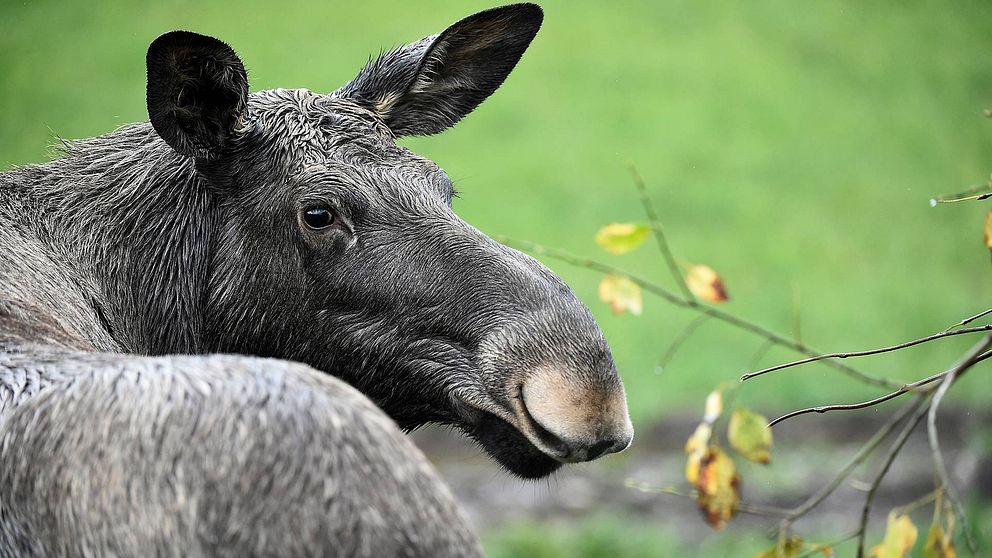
(216,326)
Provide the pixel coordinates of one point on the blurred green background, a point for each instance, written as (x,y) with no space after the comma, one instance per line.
(791,146)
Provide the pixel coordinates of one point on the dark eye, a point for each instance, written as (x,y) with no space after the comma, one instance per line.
(318,217)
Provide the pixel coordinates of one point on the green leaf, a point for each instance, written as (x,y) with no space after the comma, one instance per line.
(750,436)
(620,238)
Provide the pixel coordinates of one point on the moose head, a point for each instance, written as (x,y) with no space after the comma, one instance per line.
(317,238)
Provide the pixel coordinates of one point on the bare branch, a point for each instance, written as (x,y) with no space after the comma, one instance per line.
(696,306)
(889,458)
(680,339)
(760,354)
(854,406)
(980,192)
(855,461)
(742,507)
(970,359)
(659,234)
(818,548)
(967,321)
(941,335)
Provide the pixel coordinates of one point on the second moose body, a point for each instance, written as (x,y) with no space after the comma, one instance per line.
(284,224)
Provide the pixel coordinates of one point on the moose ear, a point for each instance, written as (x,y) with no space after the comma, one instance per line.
(427,86)
(197,92)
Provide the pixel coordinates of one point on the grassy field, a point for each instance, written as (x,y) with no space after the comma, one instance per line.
(792,147)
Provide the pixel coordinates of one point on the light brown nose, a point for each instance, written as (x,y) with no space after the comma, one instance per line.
(573,419)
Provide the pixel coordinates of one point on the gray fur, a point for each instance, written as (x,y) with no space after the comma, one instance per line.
(188,236)
(209,456)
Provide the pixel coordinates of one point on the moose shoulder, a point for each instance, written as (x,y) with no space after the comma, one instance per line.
(289,225)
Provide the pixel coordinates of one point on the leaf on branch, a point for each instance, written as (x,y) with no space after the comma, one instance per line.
(620,238)
(621,294)
(718,487)
(714,406)
(788,548)
(940,543)
(696,447)
(750,436)
(705,283)
(900,536)
(988,230)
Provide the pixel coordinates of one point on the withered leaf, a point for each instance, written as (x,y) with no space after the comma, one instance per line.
(705,283)
(788,548)
(988,230)
(695,447)
(718,487)
(714,406)
(621,294)
(900,536)
(940,543)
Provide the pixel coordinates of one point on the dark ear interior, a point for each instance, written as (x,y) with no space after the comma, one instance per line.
(197,92)
(429,85)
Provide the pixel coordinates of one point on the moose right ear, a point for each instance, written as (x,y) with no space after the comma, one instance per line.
(197,92)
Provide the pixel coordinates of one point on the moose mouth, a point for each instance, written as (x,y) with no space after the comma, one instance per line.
(514,439)
(511,448)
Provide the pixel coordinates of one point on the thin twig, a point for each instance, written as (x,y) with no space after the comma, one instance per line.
(854,406)
(889,458)
(818,547)
(967,321)
(970,359)
(909,508)
(681,338)
(659,233)
(677,300)
(797,332)
(742,507)
(980,192)
(856,460)
(760,354)
(941,335)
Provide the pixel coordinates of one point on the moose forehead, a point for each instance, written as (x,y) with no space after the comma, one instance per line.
(308,137)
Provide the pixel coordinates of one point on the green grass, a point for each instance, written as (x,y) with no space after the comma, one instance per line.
(791,146)
(610,537)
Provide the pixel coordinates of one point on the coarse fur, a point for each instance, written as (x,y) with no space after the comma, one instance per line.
(281,224)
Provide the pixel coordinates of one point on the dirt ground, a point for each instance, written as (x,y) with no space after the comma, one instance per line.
(808,452)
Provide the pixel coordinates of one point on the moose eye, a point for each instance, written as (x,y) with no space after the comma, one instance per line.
(318,217)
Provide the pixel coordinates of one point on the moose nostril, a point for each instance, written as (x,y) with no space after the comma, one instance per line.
(600,448)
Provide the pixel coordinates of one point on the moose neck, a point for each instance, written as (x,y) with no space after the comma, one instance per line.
(131,221)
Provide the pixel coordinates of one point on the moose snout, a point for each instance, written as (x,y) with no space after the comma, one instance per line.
(572,418)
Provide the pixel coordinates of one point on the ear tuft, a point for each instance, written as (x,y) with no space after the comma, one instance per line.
(427,86)
(197,92)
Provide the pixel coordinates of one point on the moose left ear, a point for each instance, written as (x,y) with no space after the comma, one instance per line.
(197,92)
(425,87)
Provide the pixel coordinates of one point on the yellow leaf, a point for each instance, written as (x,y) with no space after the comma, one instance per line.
(705,283)
(939,544)
(988,230)
(900,536)
(695,447)
(620,238)
(718,487)
(621,294)
(788,548)
(714,406)
(749,434)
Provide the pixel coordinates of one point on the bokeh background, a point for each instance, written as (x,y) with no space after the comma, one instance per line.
(791,146)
